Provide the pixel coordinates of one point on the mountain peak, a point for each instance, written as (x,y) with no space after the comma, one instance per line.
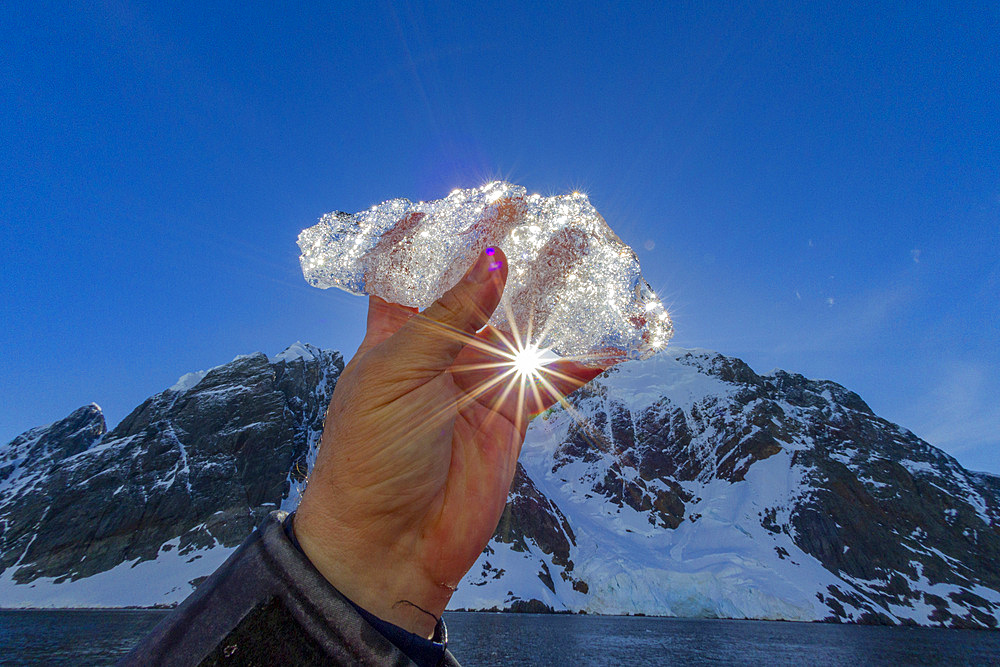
(167,494)
(297,350)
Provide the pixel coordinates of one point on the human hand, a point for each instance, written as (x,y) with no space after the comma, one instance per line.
(419,450)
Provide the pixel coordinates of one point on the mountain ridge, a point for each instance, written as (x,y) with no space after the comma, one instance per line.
(684,485)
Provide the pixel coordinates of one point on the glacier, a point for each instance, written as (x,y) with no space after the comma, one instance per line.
(741,547)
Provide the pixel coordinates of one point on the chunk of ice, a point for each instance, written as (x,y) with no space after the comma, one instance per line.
(573,286)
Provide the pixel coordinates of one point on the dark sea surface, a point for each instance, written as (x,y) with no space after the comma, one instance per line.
(101,637)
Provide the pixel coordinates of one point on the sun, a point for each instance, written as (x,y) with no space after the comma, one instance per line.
(527,362)
(521,370)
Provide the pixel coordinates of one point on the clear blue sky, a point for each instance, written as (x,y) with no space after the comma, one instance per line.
(811,186)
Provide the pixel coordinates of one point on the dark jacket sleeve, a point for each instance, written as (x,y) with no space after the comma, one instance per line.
(267,605)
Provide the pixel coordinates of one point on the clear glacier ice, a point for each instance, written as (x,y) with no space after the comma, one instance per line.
(572,283)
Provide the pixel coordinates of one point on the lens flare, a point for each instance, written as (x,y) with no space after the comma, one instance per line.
(527,362)
(513,374)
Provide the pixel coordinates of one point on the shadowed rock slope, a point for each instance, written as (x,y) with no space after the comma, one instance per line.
(198,465)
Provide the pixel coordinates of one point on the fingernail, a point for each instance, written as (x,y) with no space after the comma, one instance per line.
(496,264)
(483,266)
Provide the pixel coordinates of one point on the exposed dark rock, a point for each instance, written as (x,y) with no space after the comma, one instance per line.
(529,515)
(531,606)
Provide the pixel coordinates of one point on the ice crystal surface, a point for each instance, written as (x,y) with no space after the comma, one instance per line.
(573,285)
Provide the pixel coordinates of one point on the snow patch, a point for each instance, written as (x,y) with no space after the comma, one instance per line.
(917,467)
(639,384)
(297,350)
(126,585)
(188,381)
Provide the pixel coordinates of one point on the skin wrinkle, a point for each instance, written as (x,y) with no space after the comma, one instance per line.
(399,602)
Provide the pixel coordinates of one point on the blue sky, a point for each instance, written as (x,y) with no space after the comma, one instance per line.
(809,187)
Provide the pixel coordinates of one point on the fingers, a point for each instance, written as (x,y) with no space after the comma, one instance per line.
(384,319)
(566,376)
(436,336)
(487,373)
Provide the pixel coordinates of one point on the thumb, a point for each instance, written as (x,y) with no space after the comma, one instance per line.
(438,334)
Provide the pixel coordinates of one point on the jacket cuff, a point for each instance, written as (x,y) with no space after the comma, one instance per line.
(266,602)
(424,652)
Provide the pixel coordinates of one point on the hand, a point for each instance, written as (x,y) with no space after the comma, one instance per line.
(419,450)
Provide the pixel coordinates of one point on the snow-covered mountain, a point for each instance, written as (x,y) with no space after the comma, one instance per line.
(689,485)
(683,485)
(141,514)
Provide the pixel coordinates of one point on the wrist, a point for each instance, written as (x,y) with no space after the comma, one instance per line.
(384,580)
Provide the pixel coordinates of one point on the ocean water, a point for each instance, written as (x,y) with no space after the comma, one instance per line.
(72,637)
(530,639)
(101,637)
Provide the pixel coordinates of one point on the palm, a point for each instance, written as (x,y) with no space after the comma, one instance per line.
(448,493)
(419,451)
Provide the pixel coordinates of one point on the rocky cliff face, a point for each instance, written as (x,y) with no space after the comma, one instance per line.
(684,485)
(194,467)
